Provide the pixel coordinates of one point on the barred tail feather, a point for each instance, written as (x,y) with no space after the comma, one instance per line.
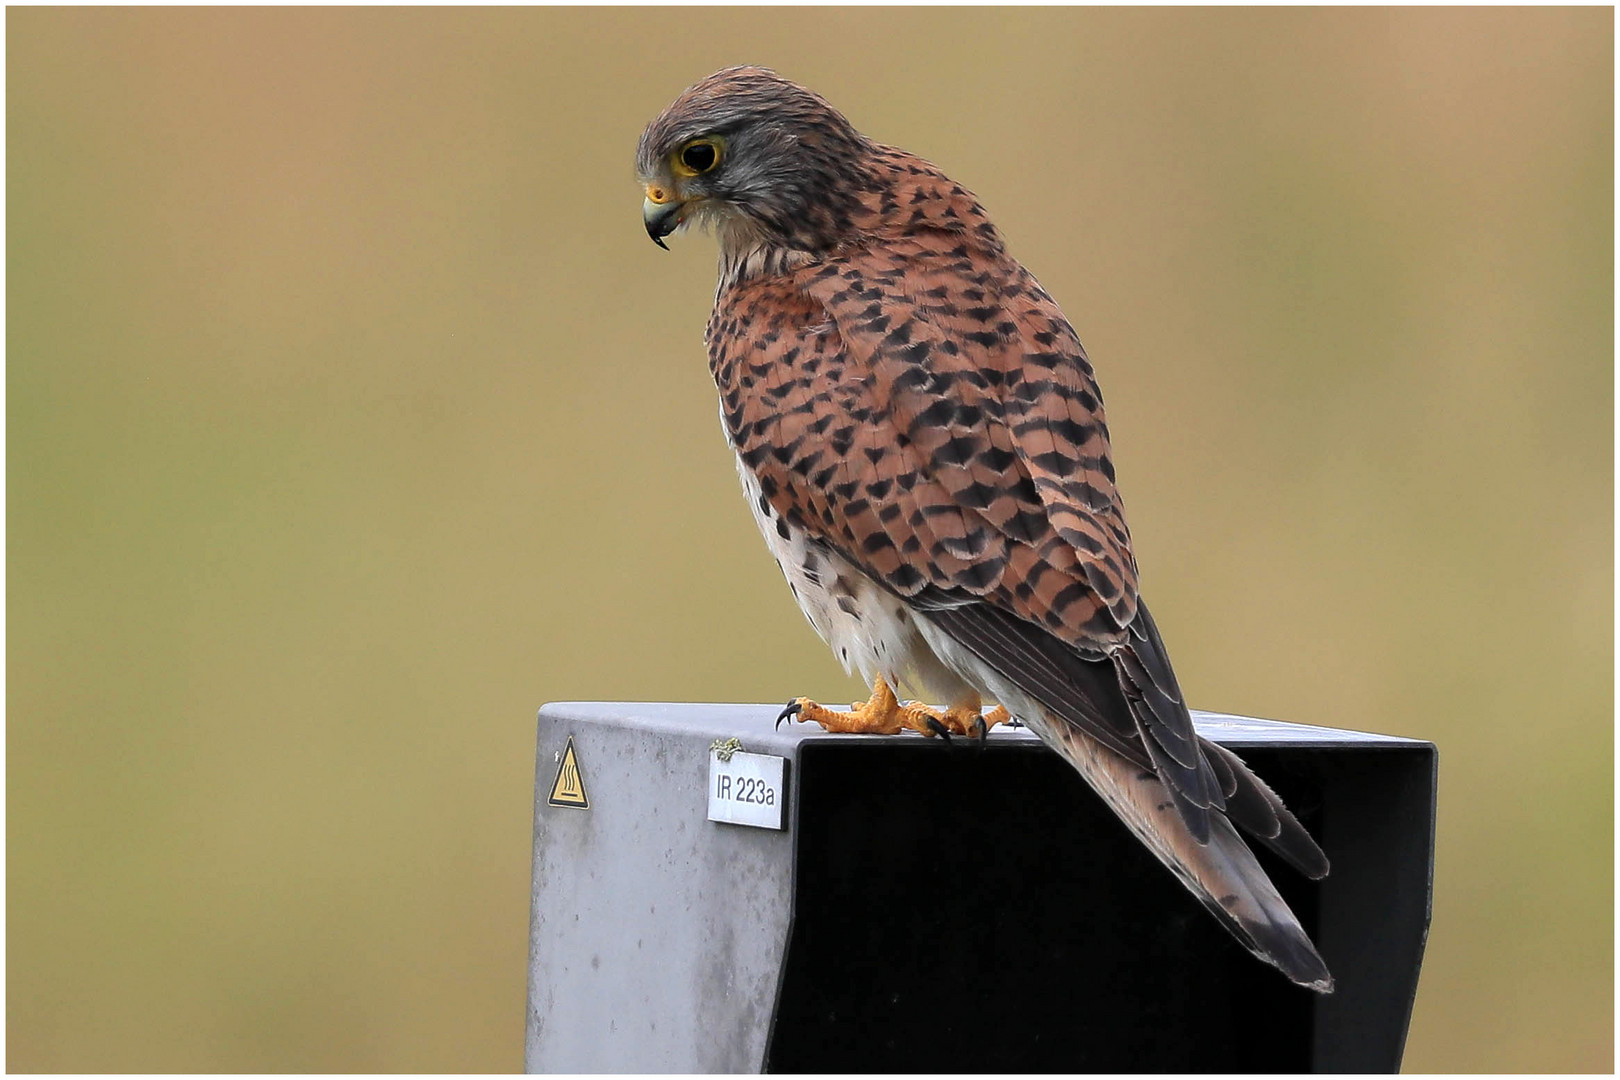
(1223,873)
(1077,706)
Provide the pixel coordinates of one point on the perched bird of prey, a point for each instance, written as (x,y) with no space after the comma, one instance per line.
(921,440)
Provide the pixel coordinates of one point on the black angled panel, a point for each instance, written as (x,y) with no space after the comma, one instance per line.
(968,910)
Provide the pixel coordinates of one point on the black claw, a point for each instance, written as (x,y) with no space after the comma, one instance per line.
(793,709)
(939,729)
(980,731)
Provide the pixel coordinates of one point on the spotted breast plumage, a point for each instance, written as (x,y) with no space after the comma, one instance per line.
(922,442)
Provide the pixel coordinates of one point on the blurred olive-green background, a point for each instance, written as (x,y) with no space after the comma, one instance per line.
(351,417)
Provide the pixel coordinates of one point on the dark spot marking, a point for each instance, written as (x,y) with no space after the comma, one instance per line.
(997,459)
(958,451)
(905,576)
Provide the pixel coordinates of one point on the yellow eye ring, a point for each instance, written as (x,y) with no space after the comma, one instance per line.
(697,157)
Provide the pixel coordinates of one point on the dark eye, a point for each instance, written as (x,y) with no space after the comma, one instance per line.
(700,157)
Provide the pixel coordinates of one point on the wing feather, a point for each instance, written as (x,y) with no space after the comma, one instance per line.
(1086,694)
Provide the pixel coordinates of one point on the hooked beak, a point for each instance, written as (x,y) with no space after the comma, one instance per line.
(662,212)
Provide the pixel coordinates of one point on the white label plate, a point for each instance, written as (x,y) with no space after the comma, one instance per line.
(748,789)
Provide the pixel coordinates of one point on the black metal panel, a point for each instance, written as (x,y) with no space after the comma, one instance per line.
(1379,832)
(967,910)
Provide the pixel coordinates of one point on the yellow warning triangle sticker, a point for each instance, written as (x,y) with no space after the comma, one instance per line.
(569,787)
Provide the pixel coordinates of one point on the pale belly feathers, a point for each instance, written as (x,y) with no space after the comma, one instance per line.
(869,629)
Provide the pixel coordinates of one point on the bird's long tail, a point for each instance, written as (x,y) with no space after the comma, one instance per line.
(1222,873)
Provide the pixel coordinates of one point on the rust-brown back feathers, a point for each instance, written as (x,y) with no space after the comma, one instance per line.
(951,401)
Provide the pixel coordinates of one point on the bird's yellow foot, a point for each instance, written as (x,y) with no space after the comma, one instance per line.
(963,718)
(966,719)
(883,714)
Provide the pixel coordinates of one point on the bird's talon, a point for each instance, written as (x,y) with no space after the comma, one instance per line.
(938,728)
(794,707)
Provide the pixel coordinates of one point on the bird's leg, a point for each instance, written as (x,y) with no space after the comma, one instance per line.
(883,714)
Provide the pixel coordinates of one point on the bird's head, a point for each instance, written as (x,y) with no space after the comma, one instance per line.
(755,157)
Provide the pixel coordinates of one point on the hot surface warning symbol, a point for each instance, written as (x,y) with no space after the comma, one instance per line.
(569,787)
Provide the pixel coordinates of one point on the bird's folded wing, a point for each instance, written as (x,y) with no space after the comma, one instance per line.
(974,371)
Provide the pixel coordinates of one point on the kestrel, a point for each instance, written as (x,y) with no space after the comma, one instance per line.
(921,440)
